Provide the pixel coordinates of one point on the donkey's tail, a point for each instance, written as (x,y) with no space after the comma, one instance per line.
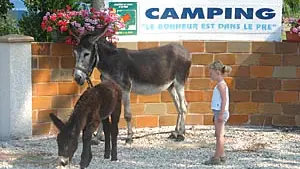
(184,72)
(187,68)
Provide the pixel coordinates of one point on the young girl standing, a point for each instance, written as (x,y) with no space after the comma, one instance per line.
(220,108)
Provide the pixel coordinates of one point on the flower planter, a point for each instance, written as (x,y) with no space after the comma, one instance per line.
(68,25)
(57,37)
(292,37)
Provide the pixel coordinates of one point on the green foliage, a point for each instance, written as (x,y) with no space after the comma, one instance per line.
(5,6)
(48,5)
(291,8)
(30,24)
(86,1)
(8,26)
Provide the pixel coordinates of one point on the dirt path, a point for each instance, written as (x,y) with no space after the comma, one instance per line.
(247,147)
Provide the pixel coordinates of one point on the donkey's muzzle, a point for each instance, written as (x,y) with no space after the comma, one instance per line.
(79,80)
(63,161)
(79,77)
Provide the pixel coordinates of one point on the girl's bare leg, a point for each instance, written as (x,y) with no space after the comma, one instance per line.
(220,130)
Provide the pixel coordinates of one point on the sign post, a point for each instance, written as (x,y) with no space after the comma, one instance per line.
(128,12)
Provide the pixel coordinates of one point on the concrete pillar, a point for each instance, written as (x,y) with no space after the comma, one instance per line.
(15,87)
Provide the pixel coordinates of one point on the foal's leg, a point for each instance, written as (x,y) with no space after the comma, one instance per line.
(175,98)
(115,118)
(127,115)
(106,128)
(99,134)
(183,110)
(86,154)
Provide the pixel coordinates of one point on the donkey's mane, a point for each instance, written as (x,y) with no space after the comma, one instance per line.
(85,38)
(109,43)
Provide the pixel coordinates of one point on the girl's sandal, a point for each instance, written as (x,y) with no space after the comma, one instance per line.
(213,161)
(223,159)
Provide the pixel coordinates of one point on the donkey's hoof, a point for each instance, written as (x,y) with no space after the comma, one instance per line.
(101,138)
(114,159)
(180,138)
(95,142)
(172,136)
(128,141)
(83,166)
(106,156)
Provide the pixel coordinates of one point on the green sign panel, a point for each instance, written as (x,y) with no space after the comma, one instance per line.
(128,12)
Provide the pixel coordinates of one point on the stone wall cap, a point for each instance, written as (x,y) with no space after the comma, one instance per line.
(14,38)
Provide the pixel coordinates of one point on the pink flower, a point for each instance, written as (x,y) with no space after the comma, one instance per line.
(84,13)
(99,26)
(295,30)
(68,7)
(68,17)
(78,25)
(72,13)
(90,28)
(107,20)
(43,25)
(49,29)
(62,23)
(45,18)
(298,28)
(60,15)
(81,30)
(63,29)
(53,17)
(69,40)
(59,23)
(110,29)
(92,10)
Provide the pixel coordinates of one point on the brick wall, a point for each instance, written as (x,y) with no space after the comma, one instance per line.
(264,85)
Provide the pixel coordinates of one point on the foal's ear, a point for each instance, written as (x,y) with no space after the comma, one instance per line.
(57,122)
(98,34)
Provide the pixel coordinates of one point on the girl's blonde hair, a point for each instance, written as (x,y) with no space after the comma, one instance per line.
(218,65)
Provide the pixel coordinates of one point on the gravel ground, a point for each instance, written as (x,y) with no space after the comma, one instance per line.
(246,147)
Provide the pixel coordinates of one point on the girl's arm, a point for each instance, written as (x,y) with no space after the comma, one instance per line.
(222,89)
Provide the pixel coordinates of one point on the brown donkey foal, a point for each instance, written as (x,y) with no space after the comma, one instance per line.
(95,104)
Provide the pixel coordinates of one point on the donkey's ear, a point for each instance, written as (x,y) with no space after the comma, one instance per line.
(72,28)
(57,122)
(99,33)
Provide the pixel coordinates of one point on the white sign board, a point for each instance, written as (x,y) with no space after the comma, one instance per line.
(173,20)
